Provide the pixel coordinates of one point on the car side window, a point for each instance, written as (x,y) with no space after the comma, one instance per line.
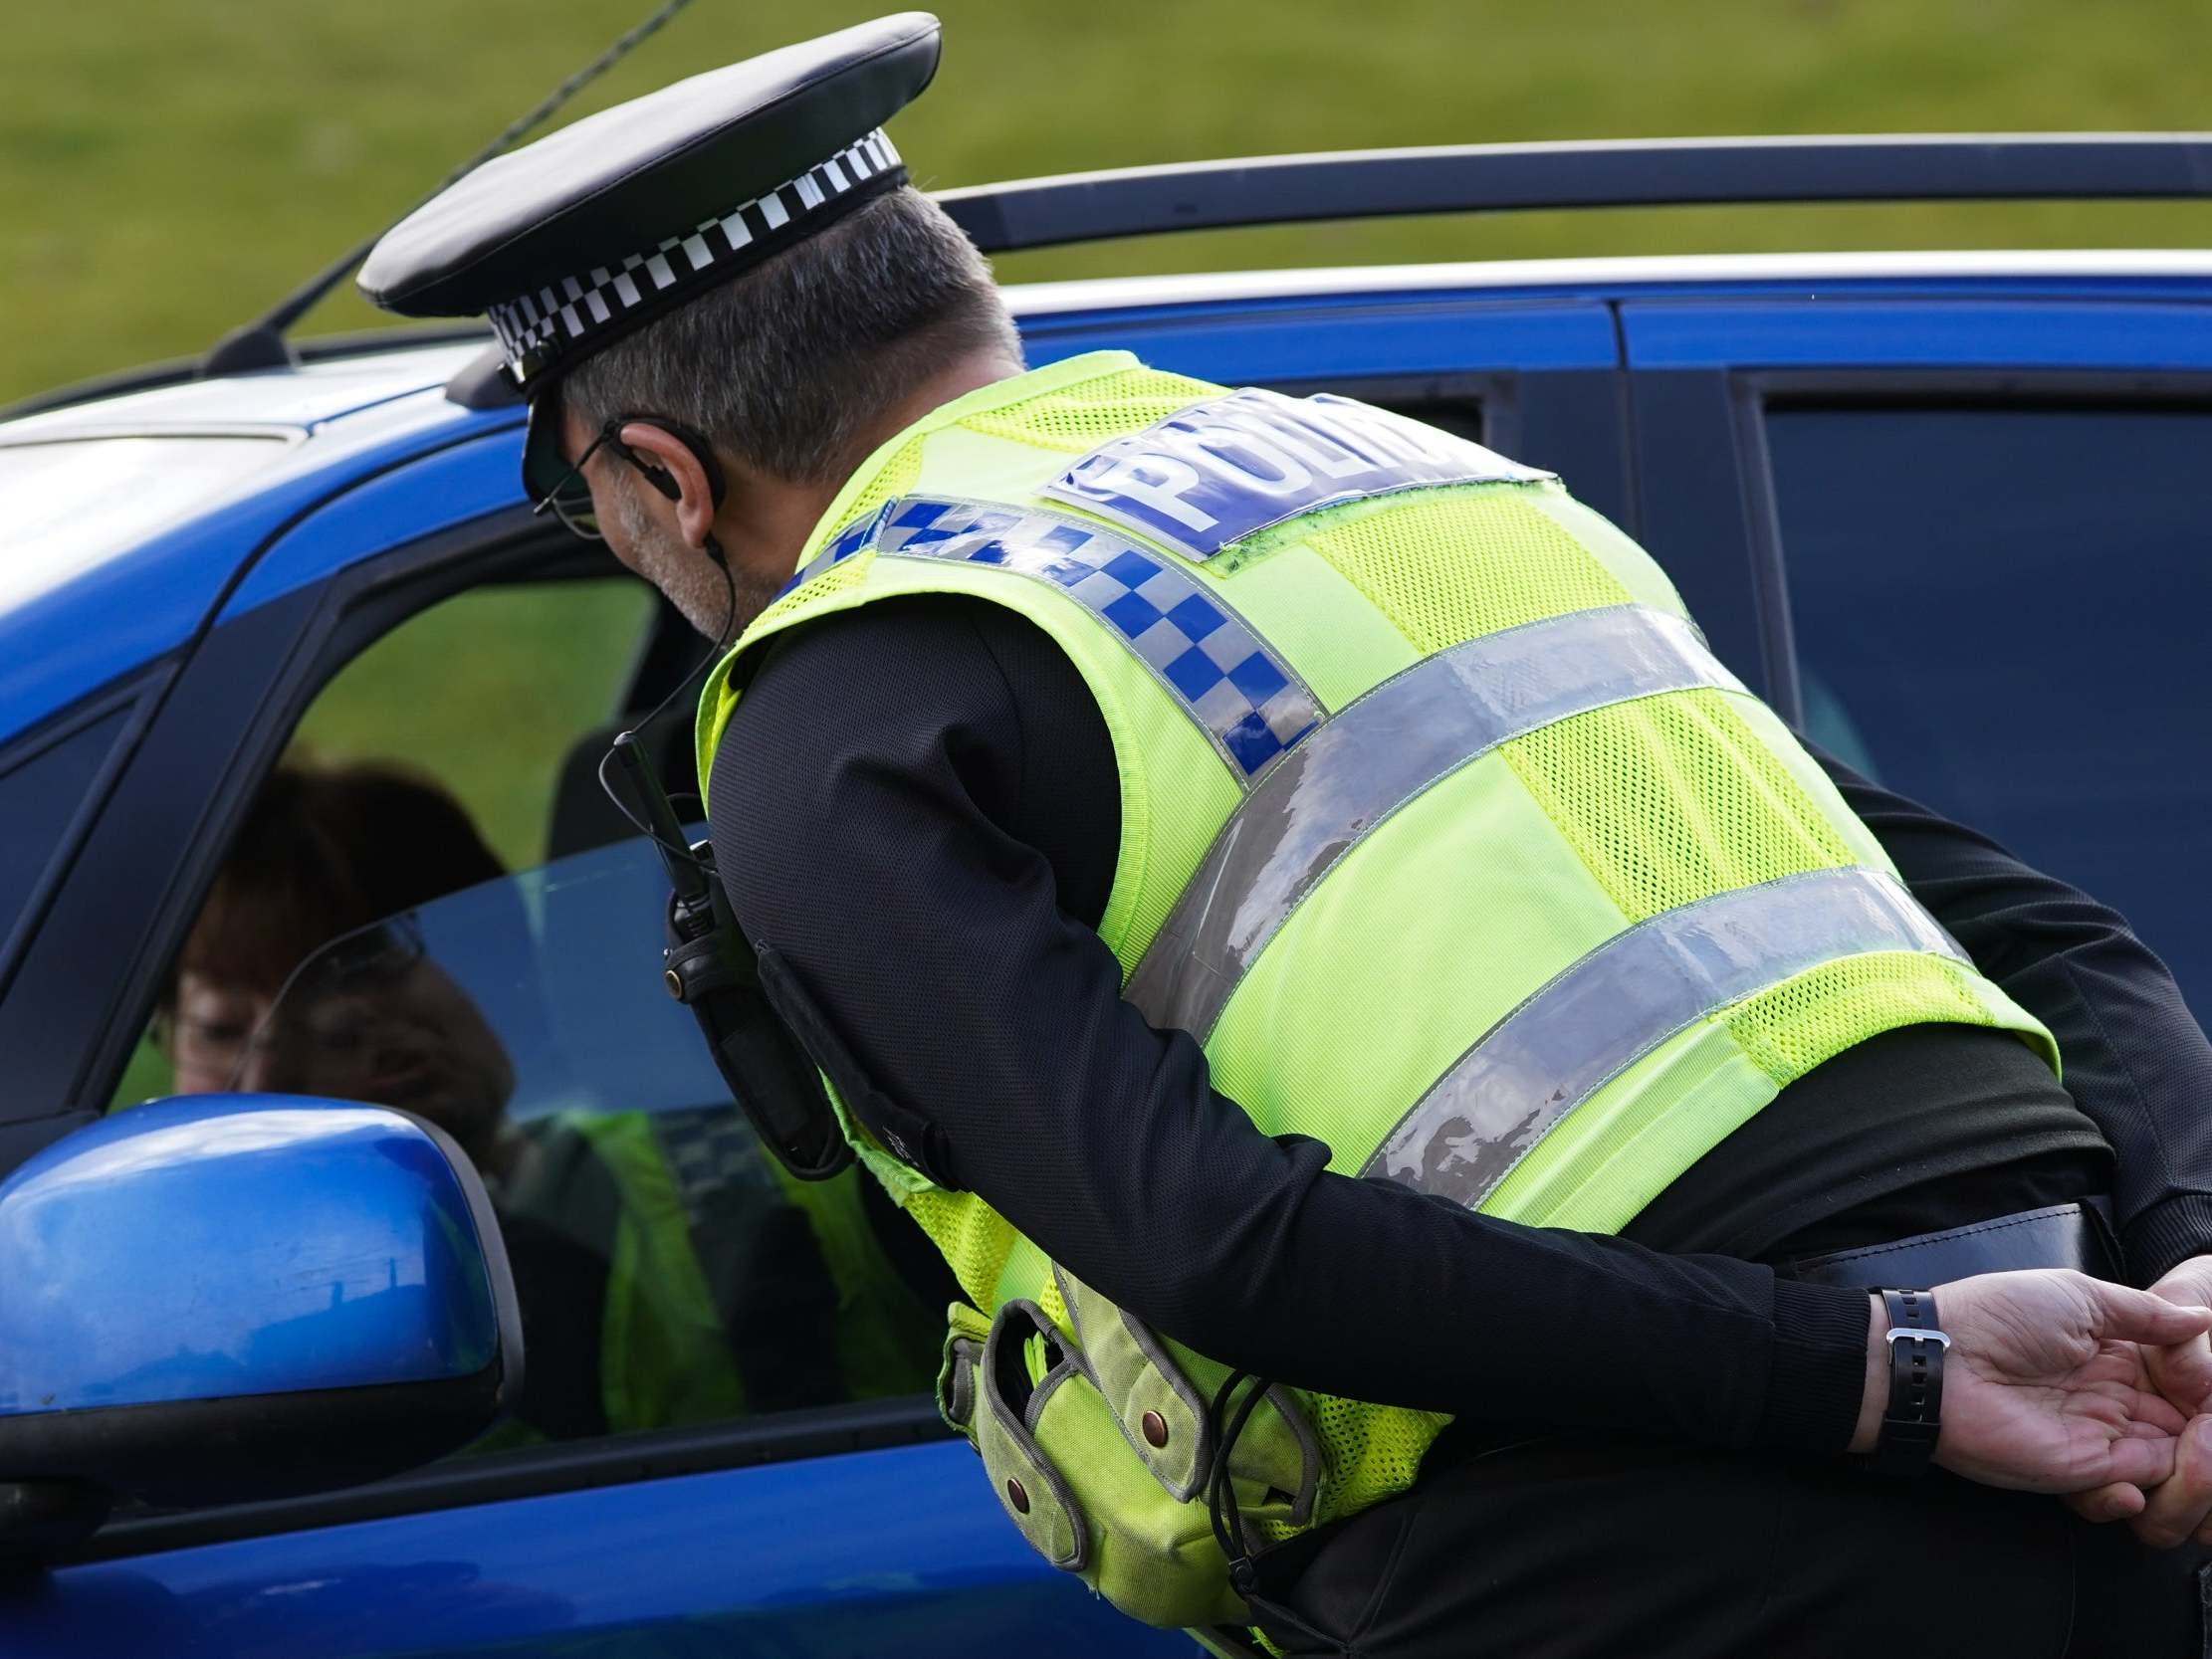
(486,695)
(670,1271)
(1998,612)
(429,905)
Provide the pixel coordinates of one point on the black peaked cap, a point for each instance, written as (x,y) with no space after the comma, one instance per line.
(647,195)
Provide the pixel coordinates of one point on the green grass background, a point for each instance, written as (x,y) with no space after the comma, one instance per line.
(169,166)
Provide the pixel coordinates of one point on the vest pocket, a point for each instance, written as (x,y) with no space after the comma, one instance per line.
(1153,1387)
(1060,1460)
(1008,1411)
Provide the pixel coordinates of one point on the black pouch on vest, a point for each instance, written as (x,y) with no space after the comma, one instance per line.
(716,975)
(708,966)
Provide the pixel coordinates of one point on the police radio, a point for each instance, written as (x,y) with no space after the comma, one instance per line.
(710,967)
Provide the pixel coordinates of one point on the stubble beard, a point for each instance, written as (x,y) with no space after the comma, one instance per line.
(720,606)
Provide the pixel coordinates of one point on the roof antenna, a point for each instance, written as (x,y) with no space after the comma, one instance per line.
(260,343)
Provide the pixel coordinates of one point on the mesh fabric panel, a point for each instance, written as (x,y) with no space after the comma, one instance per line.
(1083,416)
(1371,1452)
(1053,1304)
(1451,565)
(831,582)
(1670,799)
(973,1239)
(1816,1017)
(894,477)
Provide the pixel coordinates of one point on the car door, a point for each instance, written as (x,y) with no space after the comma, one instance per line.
(846,1529)
(1963,527)
(854,1526)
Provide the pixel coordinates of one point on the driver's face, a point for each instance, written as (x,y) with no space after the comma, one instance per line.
(411,1039)
(213,1031)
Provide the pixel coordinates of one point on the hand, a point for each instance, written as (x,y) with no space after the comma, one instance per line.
(2180,1506)
(2183,1370)
(2044,1389)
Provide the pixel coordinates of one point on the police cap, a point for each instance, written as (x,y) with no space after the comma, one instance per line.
(573,241)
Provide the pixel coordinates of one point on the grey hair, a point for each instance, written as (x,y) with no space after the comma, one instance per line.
(791,366)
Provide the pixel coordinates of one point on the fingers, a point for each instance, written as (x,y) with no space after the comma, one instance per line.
(2152,1415)
(2117,1502)
(2139,1317)
(2140,1463)
(2183,1372)
(2175,1509)
(2190,1283)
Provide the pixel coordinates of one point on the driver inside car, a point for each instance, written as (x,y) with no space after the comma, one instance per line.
(667,1272)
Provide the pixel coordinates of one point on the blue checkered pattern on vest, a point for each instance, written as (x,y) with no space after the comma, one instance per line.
(1242,694)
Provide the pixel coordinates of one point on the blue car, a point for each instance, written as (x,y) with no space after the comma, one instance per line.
(1947,512)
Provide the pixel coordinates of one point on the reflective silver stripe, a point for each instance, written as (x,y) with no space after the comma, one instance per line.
(1622,1000)
(1377,753)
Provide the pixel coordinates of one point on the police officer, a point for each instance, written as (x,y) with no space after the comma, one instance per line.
(1451,1123)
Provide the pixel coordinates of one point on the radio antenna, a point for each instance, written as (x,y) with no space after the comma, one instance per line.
(260,343)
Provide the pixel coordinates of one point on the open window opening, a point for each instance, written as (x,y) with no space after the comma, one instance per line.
(428,903)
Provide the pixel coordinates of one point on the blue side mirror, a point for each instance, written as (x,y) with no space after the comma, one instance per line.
(231,1296)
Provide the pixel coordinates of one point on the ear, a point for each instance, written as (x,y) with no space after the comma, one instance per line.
(679,477)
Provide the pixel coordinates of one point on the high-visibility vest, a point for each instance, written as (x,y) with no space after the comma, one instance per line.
(1442,831)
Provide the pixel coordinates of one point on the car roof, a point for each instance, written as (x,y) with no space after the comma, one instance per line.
(2148,270)
(348,419)
(314,393)
(302,398)
(78,607)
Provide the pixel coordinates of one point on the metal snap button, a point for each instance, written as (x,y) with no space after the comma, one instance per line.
(1156,1428)
(1016,1496)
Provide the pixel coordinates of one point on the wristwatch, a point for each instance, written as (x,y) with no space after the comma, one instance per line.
(1913,1418)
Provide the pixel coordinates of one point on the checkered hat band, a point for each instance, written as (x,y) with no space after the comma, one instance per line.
(537,329)
(1237,688)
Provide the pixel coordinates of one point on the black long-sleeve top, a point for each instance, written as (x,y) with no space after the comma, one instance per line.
(916,804)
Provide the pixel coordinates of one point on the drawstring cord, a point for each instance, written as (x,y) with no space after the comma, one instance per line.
(1223,1511)
(1221,1507)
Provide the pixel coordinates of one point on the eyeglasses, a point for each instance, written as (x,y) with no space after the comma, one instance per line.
(216,1042)
(570,497)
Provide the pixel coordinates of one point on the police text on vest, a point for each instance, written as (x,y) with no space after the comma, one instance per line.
(1218,471)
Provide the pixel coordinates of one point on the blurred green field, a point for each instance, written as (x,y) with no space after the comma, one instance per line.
(168,168)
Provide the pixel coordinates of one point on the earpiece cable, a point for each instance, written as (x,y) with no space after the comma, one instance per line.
(713,654)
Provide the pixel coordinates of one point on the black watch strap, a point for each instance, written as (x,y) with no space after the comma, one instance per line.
(1914,1416)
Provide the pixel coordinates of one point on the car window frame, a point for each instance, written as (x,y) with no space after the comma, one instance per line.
(301,641)
(231,706)
(135,696)
(1694,477)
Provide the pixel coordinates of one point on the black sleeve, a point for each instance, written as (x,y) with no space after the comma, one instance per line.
(859,805)
(2136,1062)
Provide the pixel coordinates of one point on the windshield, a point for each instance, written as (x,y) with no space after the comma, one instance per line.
(67,506)
(507,1002)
